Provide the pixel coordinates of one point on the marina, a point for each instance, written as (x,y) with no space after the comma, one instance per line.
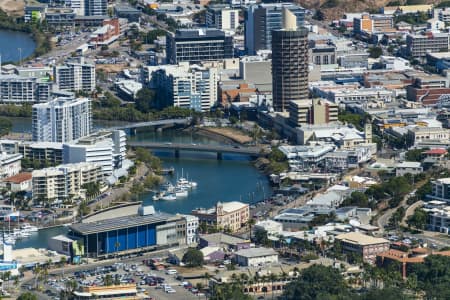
(232,179)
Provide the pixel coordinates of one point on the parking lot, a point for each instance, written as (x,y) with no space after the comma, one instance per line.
(150,283)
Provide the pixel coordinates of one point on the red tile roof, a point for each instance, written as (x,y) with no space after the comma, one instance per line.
(436,151)
(21,177)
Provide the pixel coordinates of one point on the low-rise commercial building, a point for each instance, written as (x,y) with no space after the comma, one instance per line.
(20,182)
(10,164)
(232,215)
(315,111)
(223,241)
(366,246)
(254,257)
(108,33)
(420,134)
(408,167)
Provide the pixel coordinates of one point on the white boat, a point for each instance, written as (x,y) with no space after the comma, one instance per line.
(29,228)
(181,192)
(169,197)
(186,183)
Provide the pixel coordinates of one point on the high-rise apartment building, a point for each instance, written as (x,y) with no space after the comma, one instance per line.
(222,17)
(75,76)
(96,7)
(197,45)
(184,85)
(289,62)
(262,19)
(19,89)
(62,120)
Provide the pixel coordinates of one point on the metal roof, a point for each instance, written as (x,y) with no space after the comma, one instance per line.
(119,223)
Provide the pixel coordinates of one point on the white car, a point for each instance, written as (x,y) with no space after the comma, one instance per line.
(171,291)
(171,272)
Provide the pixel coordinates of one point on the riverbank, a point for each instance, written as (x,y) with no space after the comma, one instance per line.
(42,40)
(224,134)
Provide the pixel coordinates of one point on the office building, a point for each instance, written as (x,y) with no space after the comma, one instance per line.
(197,45)
(17,89)
(262,19)
(61,120)
(312,111)
(222,17)
(75,76)
(373,23)
(34,13)
(60,17)
(440,189)
(64,183)
(184,85)
(418,46)
(289,63)
(127,12)
(408,167)
(364,245)
(232,215)
(78,6)
(95,7)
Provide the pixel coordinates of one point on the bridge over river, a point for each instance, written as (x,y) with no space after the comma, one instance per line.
(219,149)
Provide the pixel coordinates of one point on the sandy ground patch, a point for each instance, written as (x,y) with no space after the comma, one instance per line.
(13,7)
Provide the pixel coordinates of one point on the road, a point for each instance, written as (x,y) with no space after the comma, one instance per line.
(410,211)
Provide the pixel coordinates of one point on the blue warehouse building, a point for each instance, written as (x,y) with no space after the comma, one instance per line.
(125,234)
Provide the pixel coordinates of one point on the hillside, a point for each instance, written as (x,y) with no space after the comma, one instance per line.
(334,9)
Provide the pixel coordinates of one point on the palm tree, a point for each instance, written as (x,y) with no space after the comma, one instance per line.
(63,262)
(250,223)
(272,277)
(207,276)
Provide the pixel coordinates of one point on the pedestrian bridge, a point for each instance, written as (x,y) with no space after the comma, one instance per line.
(219,149)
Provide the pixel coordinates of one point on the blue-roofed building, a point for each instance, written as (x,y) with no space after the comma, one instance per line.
(148,230)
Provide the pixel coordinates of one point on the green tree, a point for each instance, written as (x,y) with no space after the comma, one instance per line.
(193,258)
(5,126)
(418,219)
(375,52)
(317,282)
(27,296)
(145,100)
(356,199)
(414,155)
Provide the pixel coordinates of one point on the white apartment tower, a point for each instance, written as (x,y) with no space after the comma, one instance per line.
(75,76)
(62,120)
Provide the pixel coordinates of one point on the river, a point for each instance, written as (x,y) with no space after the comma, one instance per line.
(232,179)
(15,45)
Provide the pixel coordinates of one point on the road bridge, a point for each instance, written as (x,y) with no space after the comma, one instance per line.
(185,121)
(219,149)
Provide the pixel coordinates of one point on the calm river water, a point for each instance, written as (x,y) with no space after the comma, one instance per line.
(231,179)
